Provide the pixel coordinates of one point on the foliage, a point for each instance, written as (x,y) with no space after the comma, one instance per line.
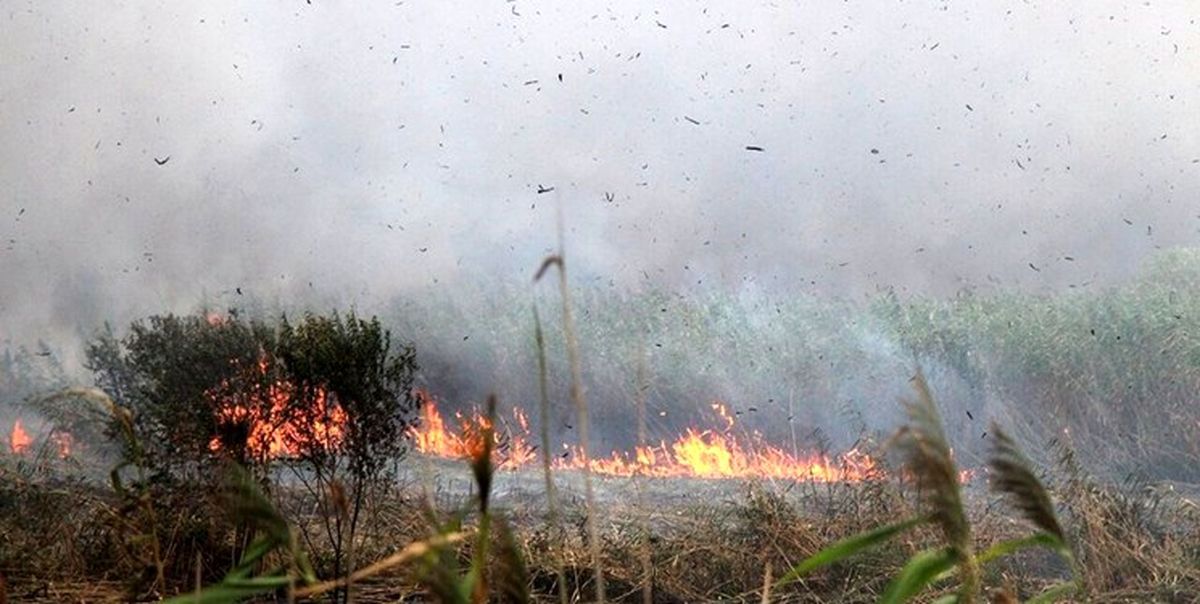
(345,364)
(176,373)
(328,397)
(437,559)
(930,462)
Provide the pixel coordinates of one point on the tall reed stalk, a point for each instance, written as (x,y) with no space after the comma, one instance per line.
(544,433)
(640,399)
(580,401)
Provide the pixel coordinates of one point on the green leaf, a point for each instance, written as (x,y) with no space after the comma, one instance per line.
(231,592)
(848,547)
(1005,548)
(948,599)
(1054,593)
(304,565)
(920,571)
(255,552)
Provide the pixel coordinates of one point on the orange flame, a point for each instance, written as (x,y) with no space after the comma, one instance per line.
(63,443)
(275,427)
(511,449)
(19,440)
(695,453)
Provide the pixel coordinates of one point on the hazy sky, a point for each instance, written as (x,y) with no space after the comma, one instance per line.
(367,148)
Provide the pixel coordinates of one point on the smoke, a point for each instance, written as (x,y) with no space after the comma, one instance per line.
(370,150)
(162,156)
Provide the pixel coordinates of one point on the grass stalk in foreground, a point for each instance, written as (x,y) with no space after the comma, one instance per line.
(581,408)
(640,399)
(930,462)
(544,433)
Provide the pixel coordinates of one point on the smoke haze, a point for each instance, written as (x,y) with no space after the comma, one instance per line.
(335,154)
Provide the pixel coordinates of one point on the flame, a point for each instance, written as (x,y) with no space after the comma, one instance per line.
(275,427)
(695,453)
(62,443)
(19,440)
(511,448)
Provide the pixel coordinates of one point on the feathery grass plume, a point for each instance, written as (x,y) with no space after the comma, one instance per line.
(1011,475)
(544,434)
(475,585)
(441,571)
(581,406)
(481,456)
(930,461)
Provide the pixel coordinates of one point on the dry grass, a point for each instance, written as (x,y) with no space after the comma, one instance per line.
(1133,544)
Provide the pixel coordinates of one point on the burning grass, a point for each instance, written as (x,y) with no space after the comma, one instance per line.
(709,540)
(698,452)
(711,507)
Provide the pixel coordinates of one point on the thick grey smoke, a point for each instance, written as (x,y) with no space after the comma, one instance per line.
(348,153)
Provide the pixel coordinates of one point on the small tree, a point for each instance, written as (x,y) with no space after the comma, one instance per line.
(179,375)
(328,397)
(353,402)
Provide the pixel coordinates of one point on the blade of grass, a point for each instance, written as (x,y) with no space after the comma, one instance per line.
(921,570)
(1054,593)
(1011,546)
(234,591)
(848,547)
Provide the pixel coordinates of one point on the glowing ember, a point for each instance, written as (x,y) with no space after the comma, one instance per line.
(19,440)
(696,453)
(62,443)
(274,426)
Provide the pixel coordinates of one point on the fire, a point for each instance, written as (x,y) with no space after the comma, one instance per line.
(274,426)
(62,443)
(709,454)
(695,453)
(19,441)
(431,436)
